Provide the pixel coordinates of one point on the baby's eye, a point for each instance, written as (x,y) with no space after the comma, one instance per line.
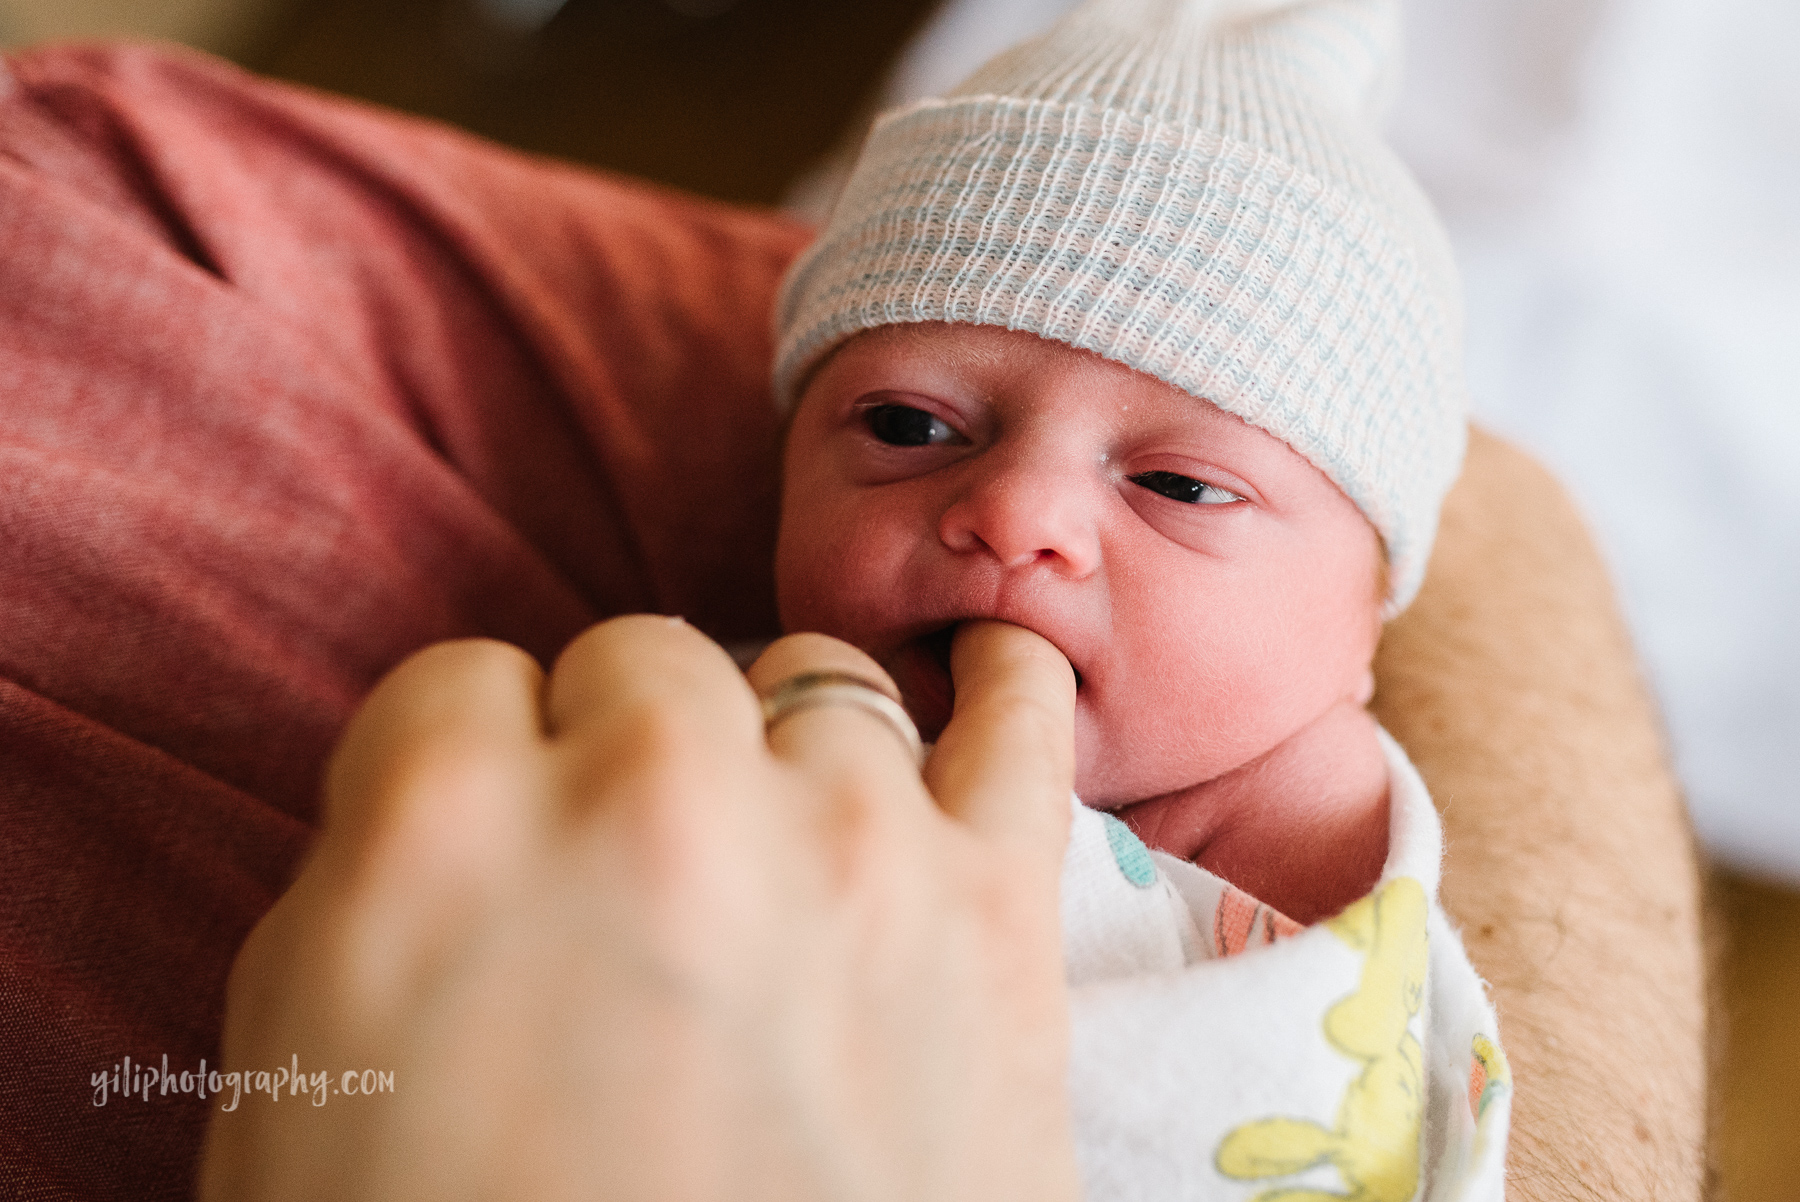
(1184,488)
(904,426)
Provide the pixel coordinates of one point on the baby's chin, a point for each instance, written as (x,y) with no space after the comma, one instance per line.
(1106,781)
(1119,763)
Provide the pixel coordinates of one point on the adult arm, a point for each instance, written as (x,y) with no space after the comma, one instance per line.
(1570,866)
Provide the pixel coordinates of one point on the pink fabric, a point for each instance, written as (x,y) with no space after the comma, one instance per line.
(288,389)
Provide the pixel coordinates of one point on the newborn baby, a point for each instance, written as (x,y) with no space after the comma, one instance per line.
(1218,597)
(1143,341)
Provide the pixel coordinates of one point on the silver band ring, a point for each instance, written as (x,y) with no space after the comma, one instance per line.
(811,690)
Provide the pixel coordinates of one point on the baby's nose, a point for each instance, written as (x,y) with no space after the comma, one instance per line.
(1024,513)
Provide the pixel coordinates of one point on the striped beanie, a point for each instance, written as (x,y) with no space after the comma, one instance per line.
(1195,189)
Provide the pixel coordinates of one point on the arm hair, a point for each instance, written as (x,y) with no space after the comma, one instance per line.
(1569,864)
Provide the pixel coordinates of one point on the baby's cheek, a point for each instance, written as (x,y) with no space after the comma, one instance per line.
(835,582)
(1198,709)
(1151,743)
(804,588)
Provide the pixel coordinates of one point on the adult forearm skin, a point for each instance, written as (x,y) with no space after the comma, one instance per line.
(1570,865)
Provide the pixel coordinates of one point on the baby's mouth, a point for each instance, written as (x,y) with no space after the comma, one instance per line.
(921,669)
(937,645)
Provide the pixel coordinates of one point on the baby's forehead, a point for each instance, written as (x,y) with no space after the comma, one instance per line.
(1000,355)
(952,342)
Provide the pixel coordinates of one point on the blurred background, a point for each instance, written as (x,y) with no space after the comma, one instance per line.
(1622,180)
(728,97)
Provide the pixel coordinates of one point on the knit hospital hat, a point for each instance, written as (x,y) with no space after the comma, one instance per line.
(1195,189)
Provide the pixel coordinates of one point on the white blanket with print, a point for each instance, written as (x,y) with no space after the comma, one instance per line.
(1220,1051)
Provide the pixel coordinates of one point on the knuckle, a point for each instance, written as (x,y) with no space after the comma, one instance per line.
(794,654)
(439,812)
(438,770)
(863,835)
(652,746)
(631,636)
(430,670)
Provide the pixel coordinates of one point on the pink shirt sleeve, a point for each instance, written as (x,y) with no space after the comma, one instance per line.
(289,388)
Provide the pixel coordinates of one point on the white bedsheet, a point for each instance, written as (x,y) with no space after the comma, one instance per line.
(1623,183)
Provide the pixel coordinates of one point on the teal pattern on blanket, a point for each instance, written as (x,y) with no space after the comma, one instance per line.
(1129,853)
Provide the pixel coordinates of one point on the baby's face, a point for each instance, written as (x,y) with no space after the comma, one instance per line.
(1213,590)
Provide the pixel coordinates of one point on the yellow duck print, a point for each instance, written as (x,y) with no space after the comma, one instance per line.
(1375,1144)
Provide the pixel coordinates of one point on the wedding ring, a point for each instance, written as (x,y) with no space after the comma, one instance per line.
(810,690)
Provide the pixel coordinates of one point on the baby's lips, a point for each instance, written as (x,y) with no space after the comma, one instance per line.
(921,669)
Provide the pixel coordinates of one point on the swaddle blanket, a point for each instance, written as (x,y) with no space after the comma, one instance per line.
(1222,1051)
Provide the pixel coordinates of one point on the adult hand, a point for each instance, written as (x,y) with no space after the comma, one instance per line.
(612,943)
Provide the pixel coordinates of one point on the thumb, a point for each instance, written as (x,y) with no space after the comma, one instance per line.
(1005,764)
